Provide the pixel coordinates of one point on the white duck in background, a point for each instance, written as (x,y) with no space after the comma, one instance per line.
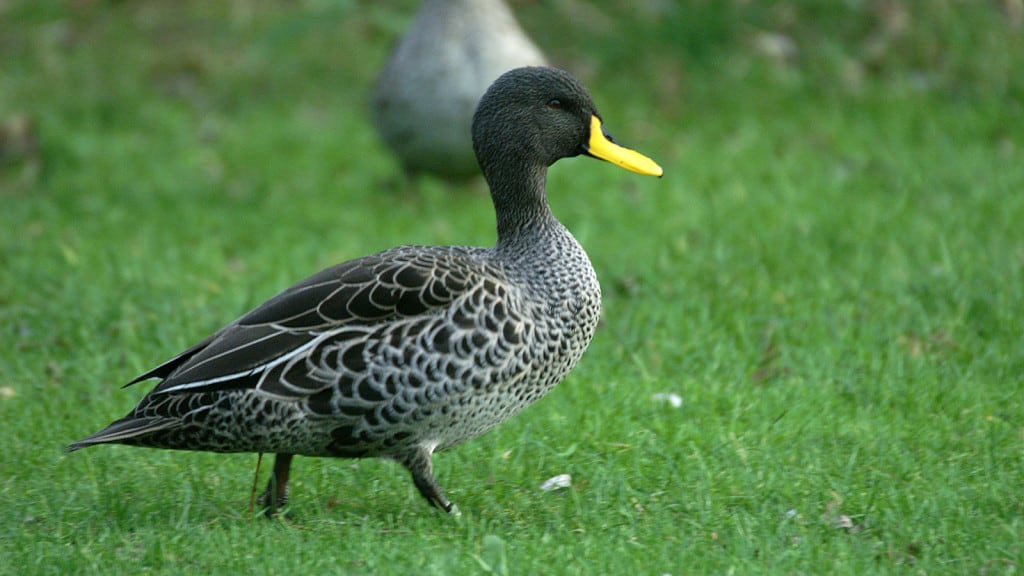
(425,96)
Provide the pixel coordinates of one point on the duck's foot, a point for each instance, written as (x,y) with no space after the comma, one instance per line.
(276,495)
(422,468)
(271,504)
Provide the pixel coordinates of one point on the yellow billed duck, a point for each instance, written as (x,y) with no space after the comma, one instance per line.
(414,349)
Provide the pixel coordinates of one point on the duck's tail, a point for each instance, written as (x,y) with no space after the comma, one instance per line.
(125,429)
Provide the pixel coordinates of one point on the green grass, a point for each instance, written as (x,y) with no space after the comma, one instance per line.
(830,276)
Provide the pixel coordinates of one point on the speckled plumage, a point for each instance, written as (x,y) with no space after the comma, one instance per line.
(411,350)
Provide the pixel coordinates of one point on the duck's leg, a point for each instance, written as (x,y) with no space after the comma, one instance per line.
(276,494)
(420,463)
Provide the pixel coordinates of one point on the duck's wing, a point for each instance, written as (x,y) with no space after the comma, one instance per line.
(400,283)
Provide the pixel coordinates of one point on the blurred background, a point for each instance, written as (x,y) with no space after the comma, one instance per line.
(827,283)
(199,71)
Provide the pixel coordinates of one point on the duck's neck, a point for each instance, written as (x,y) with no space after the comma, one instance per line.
(520,201)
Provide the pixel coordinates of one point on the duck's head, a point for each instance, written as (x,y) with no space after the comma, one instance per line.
(533,116)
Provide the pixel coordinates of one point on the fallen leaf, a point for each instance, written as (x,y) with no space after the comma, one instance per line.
(557,482)
(674,400)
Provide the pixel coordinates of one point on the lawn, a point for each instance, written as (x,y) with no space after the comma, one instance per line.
(829,279)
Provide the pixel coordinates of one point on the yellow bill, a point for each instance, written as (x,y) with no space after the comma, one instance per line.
(601,147)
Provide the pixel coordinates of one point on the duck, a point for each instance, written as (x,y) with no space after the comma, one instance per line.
(424,97)
(415,349)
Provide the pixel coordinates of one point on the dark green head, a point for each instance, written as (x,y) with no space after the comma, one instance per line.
(537,115)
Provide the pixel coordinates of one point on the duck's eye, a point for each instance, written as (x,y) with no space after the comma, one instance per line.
(555,104)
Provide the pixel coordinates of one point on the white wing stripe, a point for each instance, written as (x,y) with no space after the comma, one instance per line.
(244,373)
